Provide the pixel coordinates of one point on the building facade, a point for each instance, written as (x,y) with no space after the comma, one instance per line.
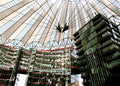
(98,47)
(43,67)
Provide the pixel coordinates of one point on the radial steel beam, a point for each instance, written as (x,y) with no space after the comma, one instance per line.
(34,26)
(52,31)
(5,35)
(81,15)
(63,20)
(88,10)
(96,7)
(64,14)
(45,33)
(12,9)
(58,34)
(74,22)
(78,14)
(71,21)
(112,7)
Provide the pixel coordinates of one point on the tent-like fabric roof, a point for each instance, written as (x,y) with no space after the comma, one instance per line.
(33,23)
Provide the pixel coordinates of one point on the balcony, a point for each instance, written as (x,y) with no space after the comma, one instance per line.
(111,48)
(86,82)
(78,42)
(113,64)
(85,75)
(102,24)
(76,37)
(104,37)
(77,33)
(106,29)
(98,18)
(110,58)
(83,69)
(82,62)
(80,52)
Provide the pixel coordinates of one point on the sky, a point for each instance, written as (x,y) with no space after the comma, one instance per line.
(21,80)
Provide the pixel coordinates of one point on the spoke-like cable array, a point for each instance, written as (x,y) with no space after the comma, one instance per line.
(74,13)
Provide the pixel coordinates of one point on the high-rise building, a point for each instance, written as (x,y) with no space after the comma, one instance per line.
(98,46)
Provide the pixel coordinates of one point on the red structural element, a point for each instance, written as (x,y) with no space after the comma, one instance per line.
(73,67)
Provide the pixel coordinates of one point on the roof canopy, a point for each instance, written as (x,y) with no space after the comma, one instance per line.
(32,23)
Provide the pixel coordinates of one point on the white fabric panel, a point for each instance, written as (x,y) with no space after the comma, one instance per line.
(111,6)
(96,7)
(12,29)
(13,9)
